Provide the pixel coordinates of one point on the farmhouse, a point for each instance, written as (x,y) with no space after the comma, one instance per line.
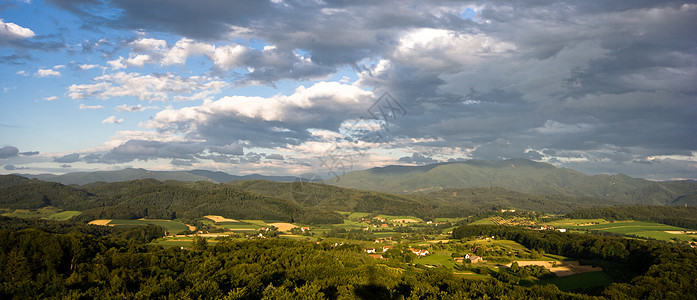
(473,258)
(371,250)
(419,252)
(376,256)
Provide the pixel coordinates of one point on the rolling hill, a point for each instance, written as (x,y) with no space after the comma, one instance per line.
(522,176)
(81,178)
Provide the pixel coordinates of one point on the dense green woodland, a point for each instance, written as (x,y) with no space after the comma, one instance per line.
(309,203)
(36,263)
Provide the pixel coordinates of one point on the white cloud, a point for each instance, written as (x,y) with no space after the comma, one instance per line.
(12,31)
(46,73)
(276,120)
(52,98)
(230,56)
(134,108)
(154,87)
(85,67)
(431,48)
(134,60)
(185,48)
(83,107)
(56,67)
(554,127)
(112,120)
(147,45)
(22,73)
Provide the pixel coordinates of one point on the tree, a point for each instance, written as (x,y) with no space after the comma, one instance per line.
(199,243)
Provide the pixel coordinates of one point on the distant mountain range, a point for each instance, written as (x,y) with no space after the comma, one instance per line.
(519,175)
(81,178)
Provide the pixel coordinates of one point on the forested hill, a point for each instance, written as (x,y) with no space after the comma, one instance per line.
(80,178)
(262,199)
(522,176)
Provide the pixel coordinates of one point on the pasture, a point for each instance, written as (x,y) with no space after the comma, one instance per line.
(172,227)
(579,281)
(641,229)
(47,213)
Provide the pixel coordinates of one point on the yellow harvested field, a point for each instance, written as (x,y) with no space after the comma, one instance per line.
(219,219)
(405,221)
(190,227)
(561,269)
(283,226)
(100,222)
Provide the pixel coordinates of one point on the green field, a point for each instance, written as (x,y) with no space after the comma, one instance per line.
(172,227)
(64,215)
(357,215)
(48,213)
(579,281)
(240,226)
(436,260)
(484,221)
(643,229)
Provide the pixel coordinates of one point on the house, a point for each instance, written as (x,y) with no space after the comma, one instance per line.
(376,256)
(385,225)
(562,229)
(303,229)
(429,222)
(371,250)
(473,258)
(419,252)
(385,248)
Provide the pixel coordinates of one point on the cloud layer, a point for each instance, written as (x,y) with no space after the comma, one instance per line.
(594,85)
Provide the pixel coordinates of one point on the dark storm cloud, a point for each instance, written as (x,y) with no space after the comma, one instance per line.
(522,79)
(418,159)
(29,153)
(145,150)
(275,156)
(70,158)
(8,151)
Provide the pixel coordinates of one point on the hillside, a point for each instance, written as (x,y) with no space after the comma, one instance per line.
(522,176)
(81,178)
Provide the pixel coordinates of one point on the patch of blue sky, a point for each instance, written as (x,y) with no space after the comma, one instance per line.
(468,13)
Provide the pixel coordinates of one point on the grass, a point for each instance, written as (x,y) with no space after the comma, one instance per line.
(485,221)
(579,281)
(64,215)
(575,222)
(383,234)
(348,224)
(239,226)
(390,218)
(256,222)
(169,225)
(643,229)
(357,215)
(436,260)
(48,213)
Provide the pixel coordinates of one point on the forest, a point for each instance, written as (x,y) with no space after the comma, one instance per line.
(46,260)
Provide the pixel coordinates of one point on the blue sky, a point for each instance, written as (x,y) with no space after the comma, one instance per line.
(279,87)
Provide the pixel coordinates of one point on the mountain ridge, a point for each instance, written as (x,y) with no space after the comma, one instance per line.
(519,175)
(128,174)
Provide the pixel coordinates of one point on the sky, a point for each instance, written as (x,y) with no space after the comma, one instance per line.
(286,87)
